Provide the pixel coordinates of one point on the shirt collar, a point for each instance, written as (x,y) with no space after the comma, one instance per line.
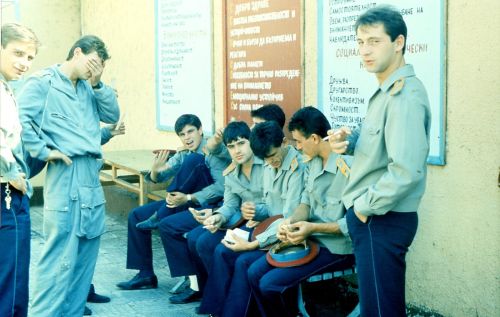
(287,162)
(331,164)
(256,161)
(201,146)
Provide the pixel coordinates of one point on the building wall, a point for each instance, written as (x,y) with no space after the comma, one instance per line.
(454,262)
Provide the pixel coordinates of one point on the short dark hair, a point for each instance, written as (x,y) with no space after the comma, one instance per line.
(89,44)
(270,112)
(264,137)
(389,17)
(309,120)
(235,130)
(186,119)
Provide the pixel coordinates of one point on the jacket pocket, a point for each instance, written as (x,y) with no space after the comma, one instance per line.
(331,209)
(92,211)
(57,215)
(369,139)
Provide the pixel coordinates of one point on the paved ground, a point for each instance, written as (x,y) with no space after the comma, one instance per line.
(111,269)
(324,298)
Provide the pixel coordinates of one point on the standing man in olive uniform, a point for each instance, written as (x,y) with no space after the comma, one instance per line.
(388,175)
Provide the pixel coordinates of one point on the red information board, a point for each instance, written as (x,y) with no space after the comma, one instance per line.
(263,56)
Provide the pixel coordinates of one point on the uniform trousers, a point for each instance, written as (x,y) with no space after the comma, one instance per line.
(380,247)
(192,176)
(15,230)
(73,221)
(275,289)
(201,245)
(227,292)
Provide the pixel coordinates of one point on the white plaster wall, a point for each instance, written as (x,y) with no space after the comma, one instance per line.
(128,29)
(454,264)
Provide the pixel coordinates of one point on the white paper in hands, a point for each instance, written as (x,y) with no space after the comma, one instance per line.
(237,232)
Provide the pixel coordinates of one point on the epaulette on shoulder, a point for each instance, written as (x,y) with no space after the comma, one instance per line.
(306,158)
(397,86)
(231,167)
(343,167)
(294,164)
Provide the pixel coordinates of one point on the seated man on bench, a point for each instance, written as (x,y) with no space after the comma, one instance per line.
(320,217)
(198,183)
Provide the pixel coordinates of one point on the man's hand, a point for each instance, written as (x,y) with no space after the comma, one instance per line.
(282,233)
(20,183)
(214,141)
(159,163)
(214,222)
(361,217)
(96,68)
(176,199)
(252,223)
(116,130)
(56,155)
(299,231)
(248,210)
(337,139)
(201,215)
(239,244)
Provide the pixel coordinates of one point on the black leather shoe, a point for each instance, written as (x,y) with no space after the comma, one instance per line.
(93,297)
(87,311)
(177,289)
(139,283)
(185,297)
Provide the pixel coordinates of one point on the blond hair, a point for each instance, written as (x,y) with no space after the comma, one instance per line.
(17,32)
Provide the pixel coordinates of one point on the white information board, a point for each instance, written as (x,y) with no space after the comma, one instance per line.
(183,62)
(344,87)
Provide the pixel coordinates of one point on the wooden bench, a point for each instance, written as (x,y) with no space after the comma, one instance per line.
(128,170)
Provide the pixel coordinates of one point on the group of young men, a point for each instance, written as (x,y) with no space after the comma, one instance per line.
(351,196)
(358,209)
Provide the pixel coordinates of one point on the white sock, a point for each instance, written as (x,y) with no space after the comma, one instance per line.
(194,282)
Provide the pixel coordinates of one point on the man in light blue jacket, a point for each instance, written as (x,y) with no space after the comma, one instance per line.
(60,111)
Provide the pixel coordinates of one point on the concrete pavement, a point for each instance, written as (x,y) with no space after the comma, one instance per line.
(111,270)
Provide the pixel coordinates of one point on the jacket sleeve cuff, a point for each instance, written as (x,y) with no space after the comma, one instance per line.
(261,212)
(44,154)
(343,226)
(200,198)
(362,207)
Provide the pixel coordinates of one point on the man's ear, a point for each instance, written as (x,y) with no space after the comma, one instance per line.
(400,43)
(285,141)
(77,51)
(316,138)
